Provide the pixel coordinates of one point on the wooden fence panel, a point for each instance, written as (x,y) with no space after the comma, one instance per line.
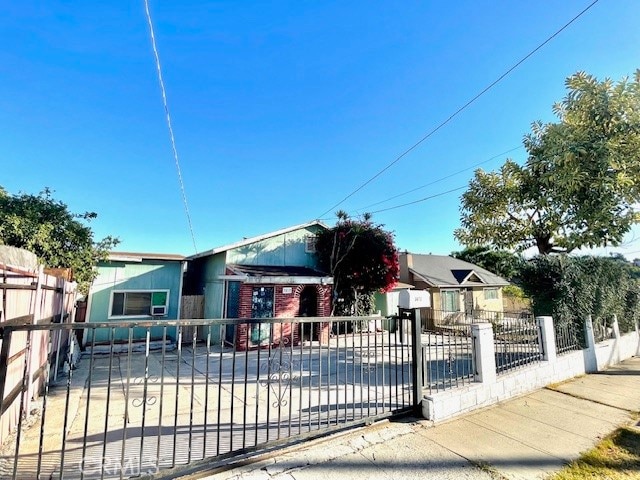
(41,296)
(192,306)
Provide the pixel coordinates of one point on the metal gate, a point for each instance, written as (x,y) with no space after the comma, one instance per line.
(138,399)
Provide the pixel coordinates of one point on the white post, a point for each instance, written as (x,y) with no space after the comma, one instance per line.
(615,354)
(484,352)
(591,361)
(547,338)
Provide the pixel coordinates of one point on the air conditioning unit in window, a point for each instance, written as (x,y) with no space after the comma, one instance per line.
(158,310)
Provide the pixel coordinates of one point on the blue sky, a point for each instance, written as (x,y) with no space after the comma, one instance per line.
(281,109)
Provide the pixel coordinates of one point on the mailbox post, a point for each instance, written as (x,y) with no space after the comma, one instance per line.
(409,304)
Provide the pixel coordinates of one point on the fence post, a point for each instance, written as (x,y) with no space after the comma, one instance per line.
(416,364)
(484,352)
(591,360)
(547,338)
(615,354)
(616,327)
(5,335)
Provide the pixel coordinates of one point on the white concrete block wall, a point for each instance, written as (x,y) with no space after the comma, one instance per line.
(490,389)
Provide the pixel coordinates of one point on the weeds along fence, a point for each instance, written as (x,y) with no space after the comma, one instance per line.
(138,407)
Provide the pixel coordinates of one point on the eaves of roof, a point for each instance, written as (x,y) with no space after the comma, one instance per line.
(139,257)
(248,241)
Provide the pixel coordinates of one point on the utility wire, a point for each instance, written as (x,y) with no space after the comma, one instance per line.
(419,200)
(169,124)
(440,179)
(528,162)
(462,108)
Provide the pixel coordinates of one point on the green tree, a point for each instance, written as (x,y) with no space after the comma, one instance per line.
(500,262)
(59,238)
(362,258)
(581,180)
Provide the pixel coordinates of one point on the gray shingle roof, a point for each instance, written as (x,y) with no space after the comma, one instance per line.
(445,271)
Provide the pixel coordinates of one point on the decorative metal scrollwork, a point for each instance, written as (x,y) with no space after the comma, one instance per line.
(149,400)
(367,355)
(281,371)
(451,360)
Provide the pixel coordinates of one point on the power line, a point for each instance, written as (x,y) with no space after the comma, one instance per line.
(441,179)
(529,162)
(462,108)
(169,124)
(419,200)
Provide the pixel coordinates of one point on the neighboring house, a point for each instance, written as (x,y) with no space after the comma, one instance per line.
(269,276)
(454,285)
(387,302)
(135,286)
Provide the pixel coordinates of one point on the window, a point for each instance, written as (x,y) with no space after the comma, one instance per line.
(490,293)
(450,300)
(310,243)
(139,303)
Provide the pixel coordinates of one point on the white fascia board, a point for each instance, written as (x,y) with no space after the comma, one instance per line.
(233,278)
(473,273)
(124,258)
(258,238)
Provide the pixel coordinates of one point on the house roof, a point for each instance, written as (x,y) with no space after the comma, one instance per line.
(445,271)
(275,271)
(249,241)
(139,257)
(270,274)
(402,286)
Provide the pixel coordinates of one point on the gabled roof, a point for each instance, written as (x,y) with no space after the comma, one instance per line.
(445,271)
(139,257)
(259,238)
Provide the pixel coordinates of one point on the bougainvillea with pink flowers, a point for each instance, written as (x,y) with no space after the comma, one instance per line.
(362,258)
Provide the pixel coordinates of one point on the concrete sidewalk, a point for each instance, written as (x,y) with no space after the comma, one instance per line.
(525,438)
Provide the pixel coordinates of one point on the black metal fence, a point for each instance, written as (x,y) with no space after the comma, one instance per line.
(569,337)
(517,342)
(448,359)
(147,397)
(455,322)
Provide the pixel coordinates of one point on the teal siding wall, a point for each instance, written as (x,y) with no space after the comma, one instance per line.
(147,275)
(214,291)
(286,249)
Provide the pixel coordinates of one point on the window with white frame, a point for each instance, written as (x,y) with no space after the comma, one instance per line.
(138,303)
(490,293)
(450,300)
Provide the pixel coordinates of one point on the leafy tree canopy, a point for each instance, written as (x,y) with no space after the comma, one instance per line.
(581,180)
(59,238)
(500,262)
(362,258)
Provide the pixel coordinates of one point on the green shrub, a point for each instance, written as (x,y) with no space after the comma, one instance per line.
(571,288)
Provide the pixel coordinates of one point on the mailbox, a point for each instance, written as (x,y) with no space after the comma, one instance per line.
(414,299)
